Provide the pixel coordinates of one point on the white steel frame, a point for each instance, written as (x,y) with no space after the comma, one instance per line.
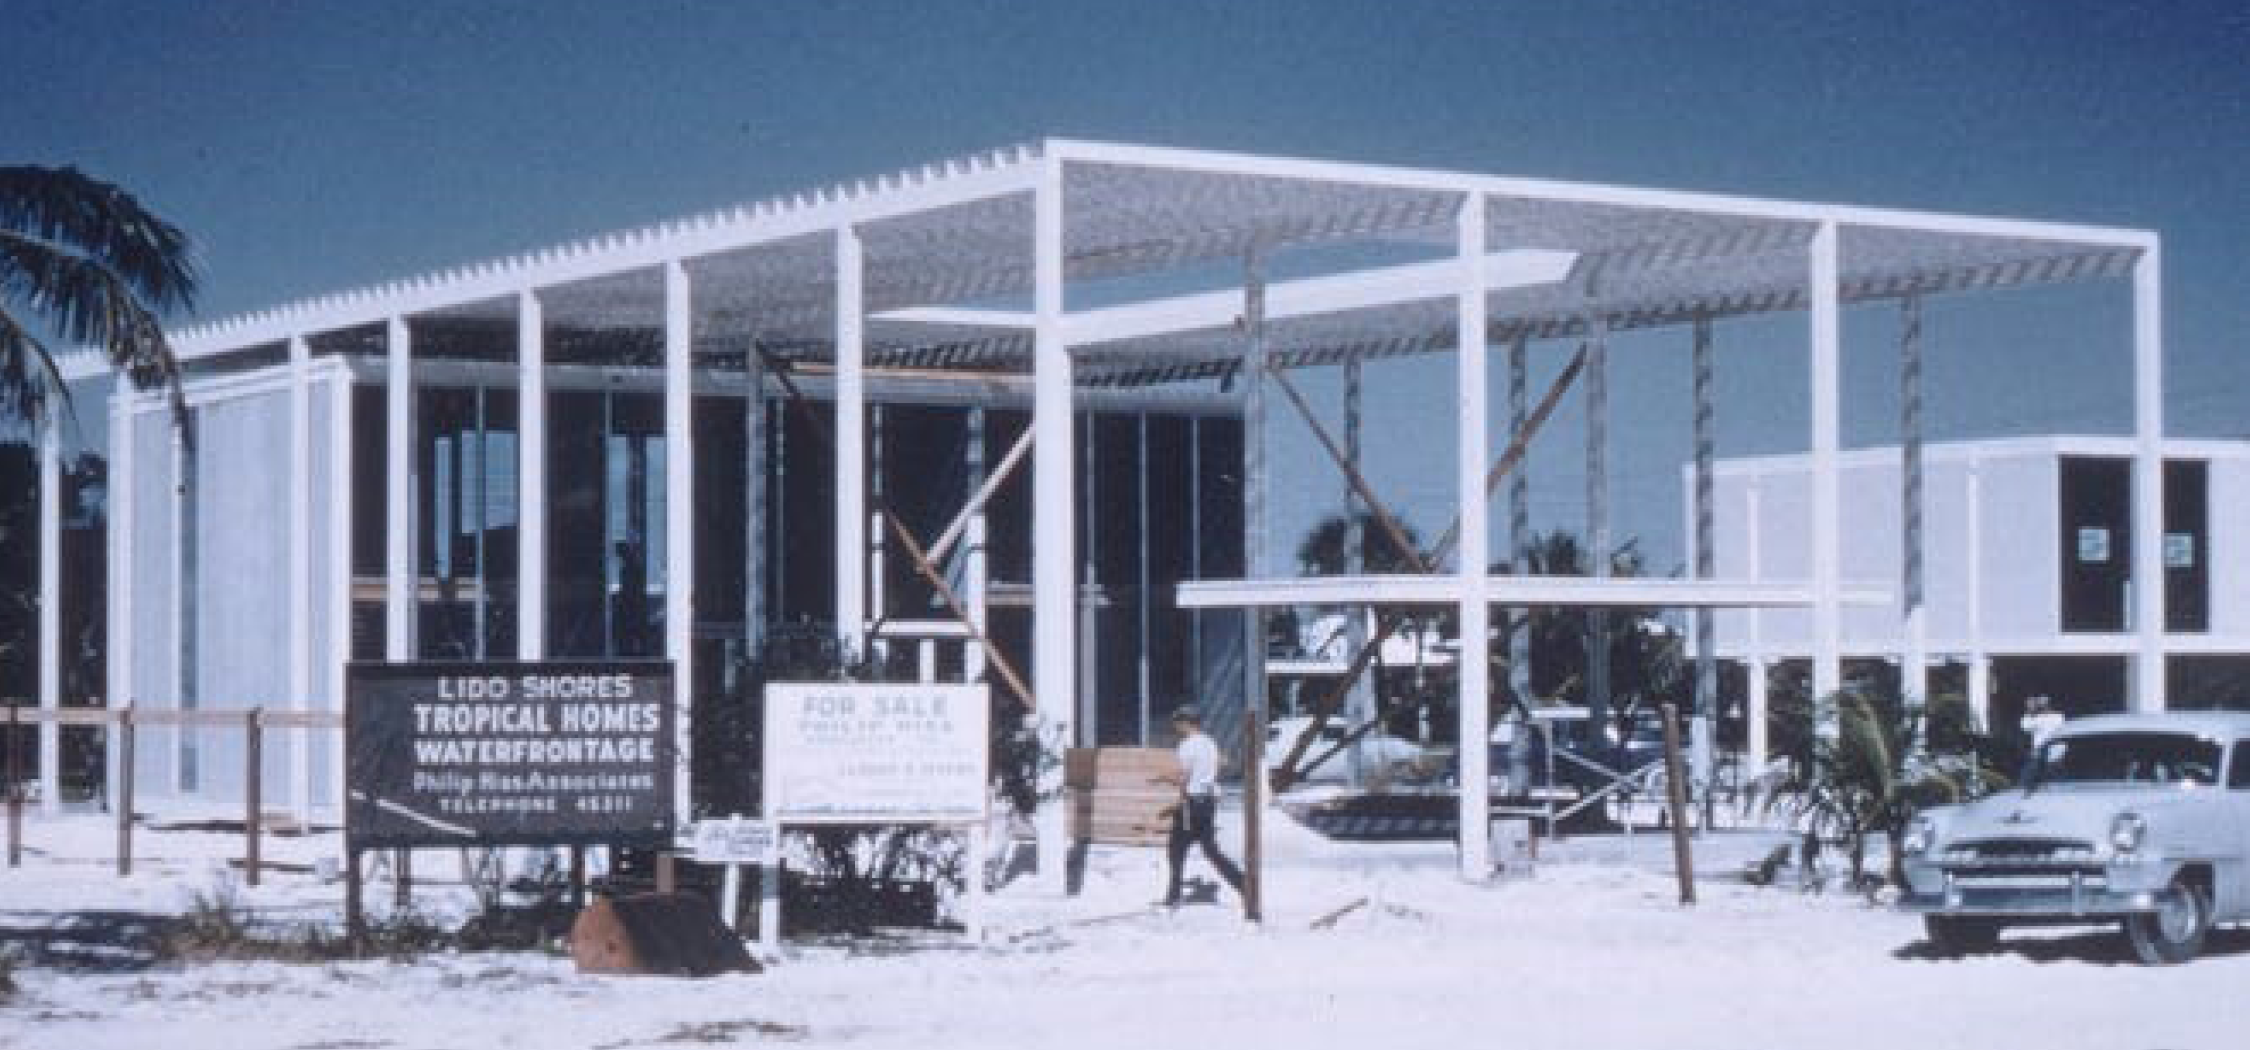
(915,260)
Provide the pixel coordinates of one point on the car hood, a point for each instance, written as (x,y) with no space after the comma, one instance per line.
(2081,813)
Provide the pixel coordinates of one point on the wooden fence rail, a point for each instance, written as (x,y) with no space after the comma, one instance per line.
(128,721)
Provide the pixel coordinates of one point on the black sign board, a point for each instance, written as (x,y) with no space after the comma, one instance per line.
(483,754)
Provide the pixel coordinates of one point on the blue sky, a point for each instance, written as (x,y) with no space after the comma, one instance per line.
(314,146)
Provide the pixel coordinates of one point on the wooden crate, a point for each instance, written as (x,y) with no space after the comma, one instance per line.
(1119,795)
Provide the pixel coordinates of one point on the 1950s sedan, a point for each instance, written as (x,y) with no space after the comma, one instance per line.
(2142,820)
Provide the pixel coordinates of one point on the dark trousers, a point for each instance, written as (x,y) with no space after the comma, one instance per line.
(1195,822)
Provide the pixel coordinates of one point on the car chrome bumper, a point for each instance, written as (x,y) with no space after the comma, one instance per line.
(2066,895)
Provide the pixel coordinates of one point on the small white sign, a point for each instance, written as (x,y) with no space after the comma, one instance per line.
(2093,545)
(736,841)
(876,753)
(2179,550)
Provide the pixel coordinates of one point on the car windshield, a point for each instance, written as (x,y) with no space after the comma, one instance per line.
(2131,758)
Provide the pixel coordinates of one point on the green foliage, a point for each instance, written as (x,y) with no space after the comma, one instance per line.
(8,987)
(1884,764)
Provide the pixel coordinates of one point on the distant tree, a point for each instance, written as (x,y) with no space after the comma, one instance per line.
(1648,664)
(83,261)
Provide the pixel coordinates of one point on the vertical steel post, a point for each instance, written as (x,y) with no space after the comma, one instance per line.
(1598,542)
(400,572)
(1827,535)
(1706,565)
(1254,359)
(1472,560)
(679,527)
(531,476)
(1359,705)
(754,508)
(1519,514)
(123,581)
(851,445)
(50,612)
(1054,524)
(1752,543)
(301,540)
(2148,482)
(1914,661)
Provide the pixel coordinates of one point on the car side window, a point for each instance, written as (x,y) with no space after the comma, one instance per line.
(2238,772)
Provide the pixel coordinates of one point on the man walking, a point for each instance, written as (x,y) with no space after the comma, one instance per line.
(1194,818)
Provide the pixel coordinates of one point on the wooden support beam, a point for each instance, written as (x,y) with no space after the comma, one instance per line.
(1285,773)
(922,561)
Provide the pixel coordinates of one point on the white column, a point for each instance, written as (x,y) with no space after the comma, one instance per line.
(301,539)
(122,582)
(1980,690)
(1980,663)
(851,444)
(1827,610)
(50,610)
(1758,743)
(2148,481)
(1054,524)
(341,515)
(1913,670)
(679,519)
(1473,561)
(400,590)
(531,476)
(1753,543)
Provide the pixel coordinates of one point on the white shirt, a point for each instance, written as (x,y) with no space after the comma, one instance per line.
(1199,762)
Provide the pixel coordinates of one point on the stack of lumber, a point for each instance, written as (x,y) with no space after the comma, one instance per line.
(1121,795)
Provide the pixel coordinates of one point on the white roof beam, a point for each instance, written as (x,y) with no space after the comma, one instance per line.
(1395,589)
(1305,297)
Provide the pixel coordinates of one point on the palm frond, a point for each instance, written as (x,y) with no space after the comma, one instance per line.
(83,300)
(27,369)
(66,206)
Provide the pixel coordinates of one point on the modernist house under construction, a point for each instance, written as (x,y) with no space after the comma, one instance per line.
(1043,362)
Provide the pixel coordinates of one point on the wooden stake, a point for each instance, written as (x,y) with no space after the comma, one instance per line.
(355,911)
(126,735)
(402,867)
(1675,786)
(577,876)
(253,790)
(15,795)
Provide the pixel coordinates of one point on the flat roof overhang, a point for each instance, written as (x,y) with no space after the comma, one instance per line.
(948,263)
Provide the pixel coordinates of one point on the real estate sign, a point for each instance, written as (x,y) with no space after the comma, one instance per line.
(876,753)
(463,754)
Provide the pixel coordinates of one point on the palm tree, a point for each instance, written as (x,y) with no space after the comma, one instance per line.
(82,261)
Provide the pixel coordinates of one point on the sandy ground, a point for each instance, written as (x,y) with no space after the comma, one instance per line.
(1589,950)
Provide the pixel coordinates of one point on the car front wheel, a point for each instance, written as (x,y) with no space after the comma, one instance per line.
(1961,934)
(2174,932)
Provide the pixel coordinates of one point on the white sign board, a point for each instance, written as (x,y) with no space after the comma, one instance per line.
(735,841)
(876,753)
